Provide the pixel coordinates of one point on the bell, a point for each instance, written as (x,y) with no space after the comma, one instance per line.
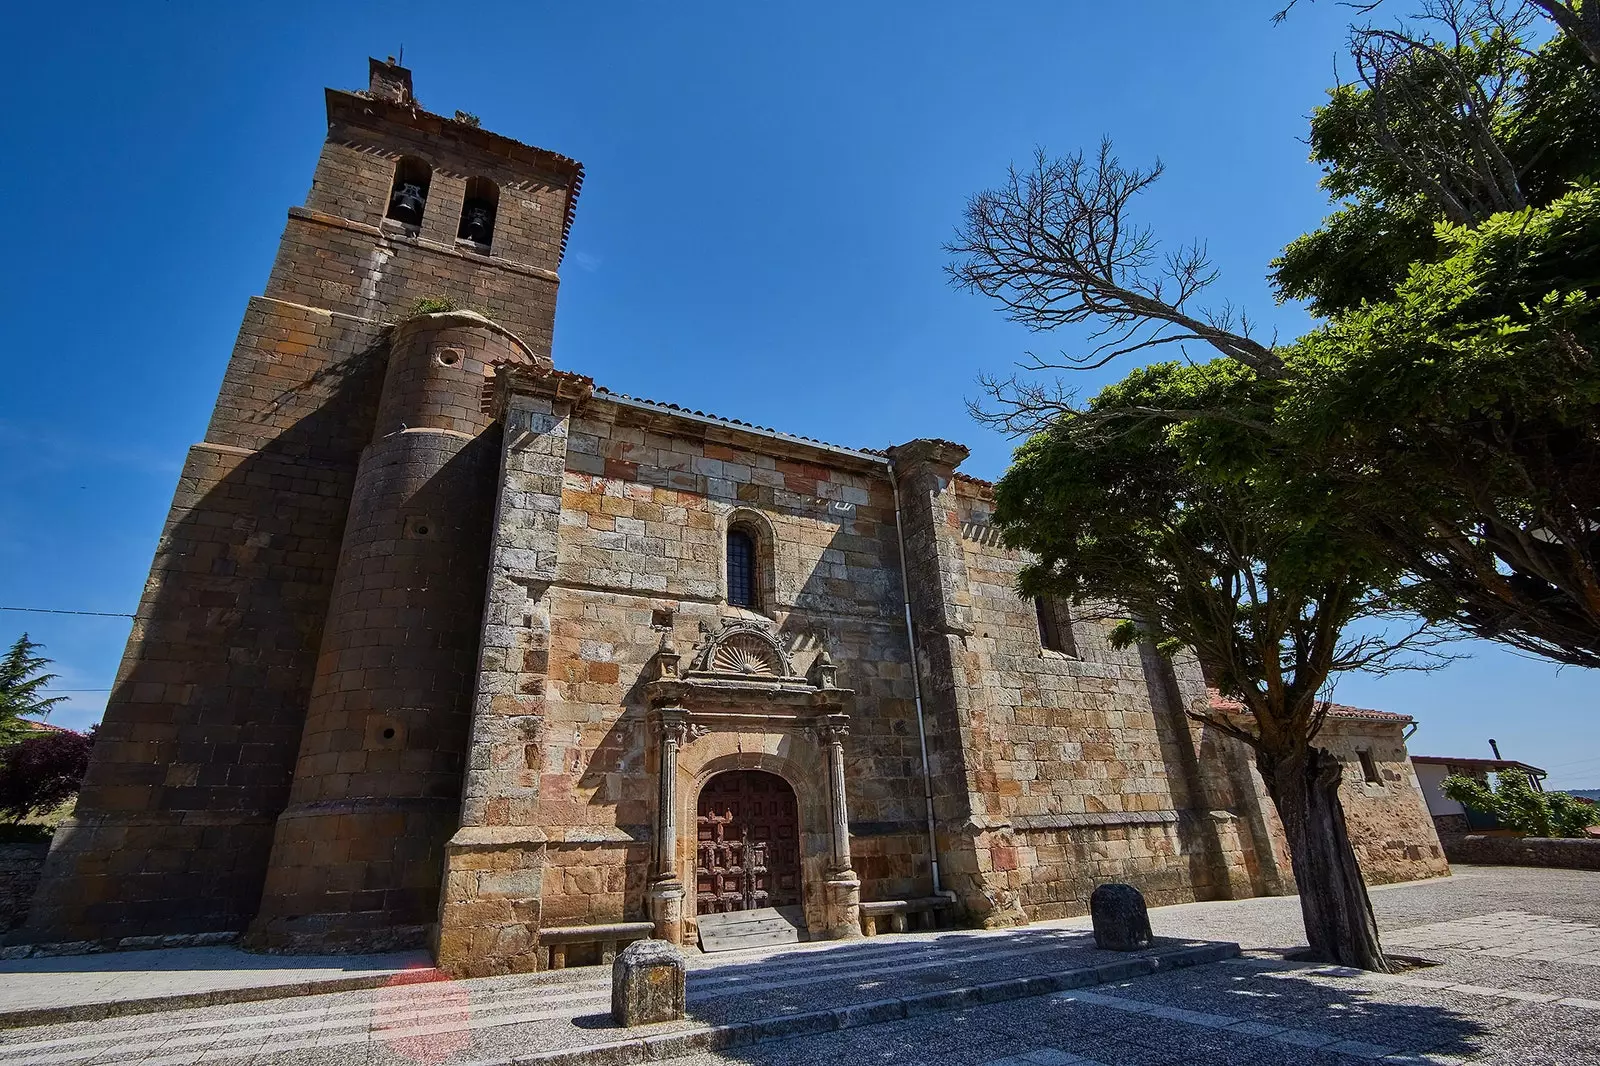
(477,221)
(406,203)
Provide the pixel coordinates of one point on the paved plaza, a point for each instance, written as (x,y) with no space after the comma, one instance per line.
(1517,982)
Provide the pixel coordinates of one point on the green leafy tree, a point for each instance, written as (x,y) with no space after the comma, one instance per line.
(1270,587)
(1457,377)
(1463,416)
(22,685)
(1452,392)
(1516,804)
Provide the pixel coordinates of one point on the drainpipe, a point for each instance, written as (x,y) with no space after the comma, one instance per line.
(916,689)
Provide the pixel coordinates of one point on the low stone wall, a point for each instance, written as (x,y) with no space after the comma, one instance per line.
(19,875)
(1572,853)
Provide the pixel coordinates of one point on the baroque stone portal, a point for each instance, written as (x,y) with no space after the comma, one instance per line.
(740,707)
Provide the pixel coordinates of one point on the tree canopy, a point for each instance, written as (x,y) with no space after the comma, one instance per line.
(1450,390)
(1268,582)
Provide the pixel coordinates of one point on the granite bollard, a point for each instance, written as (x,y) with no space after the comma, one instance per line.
(1121,921)
(647,983)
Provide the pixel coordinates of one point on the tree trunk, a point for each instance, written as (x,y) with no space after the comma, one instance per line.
(1340,927)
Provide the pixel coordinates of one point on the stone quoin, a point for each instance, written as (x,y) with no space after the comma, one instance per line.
(446,645)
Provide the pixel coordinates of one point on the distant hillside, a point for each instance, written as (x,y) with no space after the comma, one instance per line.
(1586,793)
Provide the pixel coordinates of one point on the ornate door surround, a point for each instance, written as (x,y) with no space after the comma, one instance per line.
(741,706)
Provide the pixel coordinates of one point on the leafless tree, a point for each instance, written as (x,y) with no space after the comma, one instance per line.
(1578,20)
(1435,87)
(1055,245)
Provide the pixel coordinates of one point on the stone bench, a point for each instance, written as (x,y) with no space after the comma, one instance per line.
(904,915)
(555,941)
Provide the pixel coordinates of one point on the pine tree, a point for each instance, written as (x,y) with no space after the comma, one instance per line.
(22,685)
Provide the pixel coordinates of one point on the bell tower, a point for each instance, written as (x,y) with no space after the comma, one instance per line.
(288,726)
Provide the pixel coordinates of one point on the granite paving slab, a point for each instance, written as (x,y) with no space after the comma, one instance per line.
(84,987)
(733,997)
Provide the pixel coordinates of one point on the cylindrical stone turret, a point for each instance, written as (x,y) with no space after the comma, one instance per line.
(357,854)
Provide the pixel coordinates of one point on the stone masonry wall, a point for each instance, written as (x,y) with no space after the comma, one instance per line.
(1493,849)
(198,746)
(20,866)
(644,514)
(1078,755)
(1389,824)
(196,751)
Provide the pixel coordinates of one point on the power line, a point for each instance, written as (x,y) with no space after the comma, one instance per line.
(47,610)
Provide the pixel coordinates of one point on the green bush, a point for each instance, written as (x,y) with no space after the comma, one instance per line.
(1516,804)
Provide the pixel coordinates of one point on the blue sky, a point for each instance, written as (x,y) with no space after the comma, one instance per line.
(759,236)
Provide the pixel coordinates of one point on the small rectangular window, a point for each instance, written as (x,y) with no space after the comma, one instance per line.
(1369,769)
(1055,625)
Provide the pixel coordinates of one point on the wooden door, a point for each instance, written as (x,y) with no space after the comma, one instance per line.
(748,843)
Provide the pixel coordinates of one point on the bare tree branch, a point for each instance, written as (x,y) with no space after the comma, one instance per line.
(1054,245)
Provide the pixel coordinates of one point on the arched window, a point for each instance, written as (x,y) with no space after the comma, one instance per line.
(741,569)
(409,197)
(477,213)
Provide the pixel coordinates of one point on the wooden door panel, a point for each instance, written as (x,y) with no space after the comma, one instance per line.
(747,843)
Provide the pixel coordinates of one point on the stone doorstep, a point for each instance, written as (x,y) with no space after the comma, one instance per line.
(740,1034)
(94,1012)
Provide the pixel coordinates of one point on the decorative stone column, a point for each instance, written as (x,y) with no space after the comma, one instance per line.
(843,887)
(666,891)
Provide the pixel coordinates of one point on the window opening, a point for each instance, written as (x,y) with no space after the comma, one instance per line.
(409,196)
(478,212)
(1369,769)
(741,569)
(1055,625)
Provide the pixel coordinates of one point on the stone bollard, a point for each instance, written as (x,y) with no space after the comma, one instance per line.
(1121,922)
(647,982)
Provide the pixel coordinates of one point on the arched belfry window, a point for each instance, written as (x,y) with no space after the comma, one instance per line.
(742,588)
(409,197)
(478,210)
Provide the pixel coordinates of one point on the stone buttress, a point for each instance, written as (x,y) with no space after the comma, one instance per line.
(238,635)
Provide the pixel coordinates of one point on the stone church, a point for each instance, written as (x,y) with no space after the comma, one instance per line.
(444,644)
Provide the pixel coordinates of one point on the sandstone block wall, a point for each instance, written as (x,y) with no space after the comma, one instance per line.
(357,854)
(198,748)
(20,866)
(1389,824)
(196,752)
(646,504)
(1082,765)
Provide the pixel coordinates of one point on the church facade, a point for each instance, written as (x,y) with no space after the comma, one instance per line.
(443,644)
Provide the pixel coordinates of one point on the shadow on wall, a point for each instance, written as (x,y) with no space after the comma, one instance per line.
(197,750)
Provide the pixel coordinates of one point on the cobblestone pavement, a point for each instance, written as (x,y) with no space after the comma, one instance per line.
(1497,996)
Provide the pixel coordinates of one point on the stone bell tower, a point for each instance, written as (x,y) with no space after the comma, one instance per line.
(285,742)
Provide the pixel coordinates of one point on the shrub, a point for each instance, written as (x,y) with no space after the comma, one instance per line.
(1516,804)
(41,772)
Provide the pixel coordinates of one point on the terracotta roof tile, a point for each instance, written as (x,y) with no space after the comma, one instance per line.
(1335,710)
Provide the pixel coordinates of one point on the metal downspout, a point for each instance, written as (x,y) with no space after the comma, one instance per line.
(916,687)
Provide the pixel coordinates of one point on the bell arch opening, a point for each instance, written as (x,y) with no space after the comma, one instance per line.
(747,843)
(408,197)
